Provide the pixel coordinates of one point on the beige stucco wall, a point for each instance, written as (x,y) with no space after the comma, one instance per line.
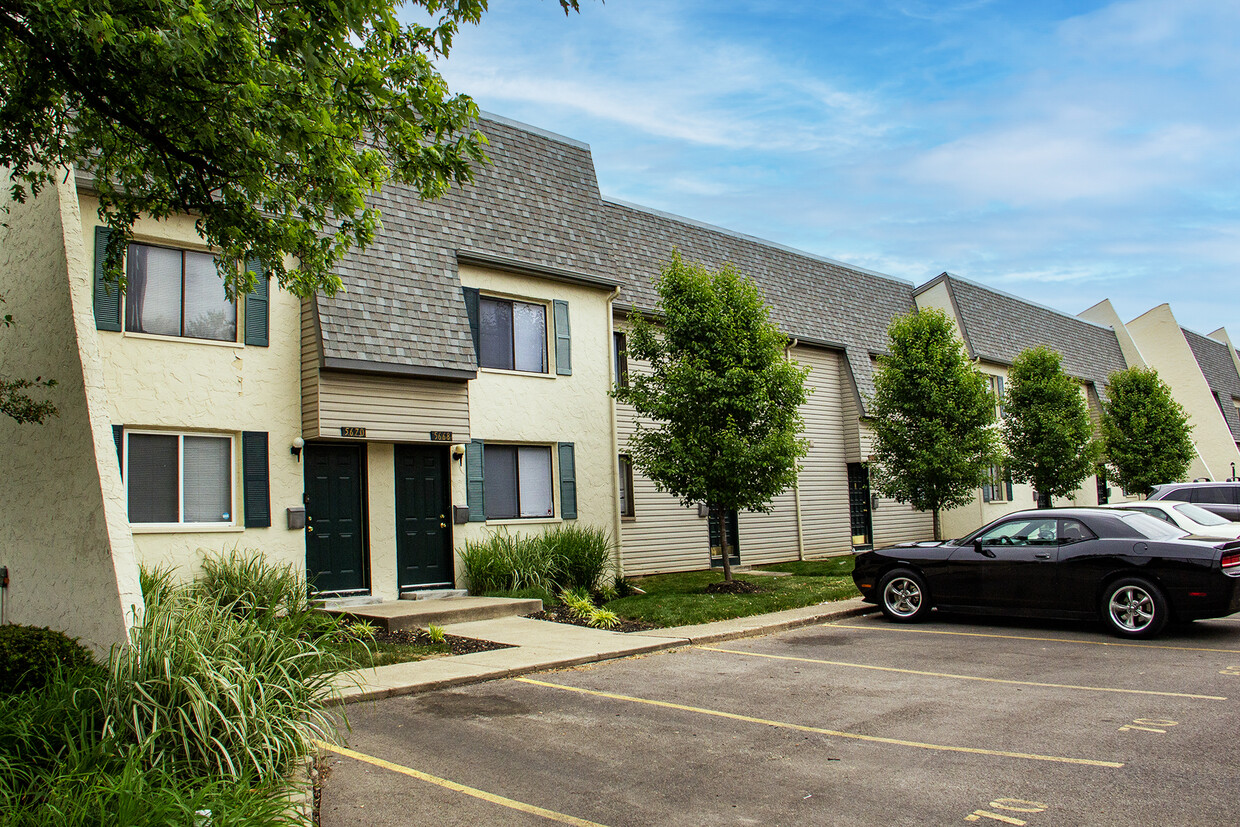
(1103,313)
(169,383)
(63,532)
(381,529)
(544,409)
(1160,338)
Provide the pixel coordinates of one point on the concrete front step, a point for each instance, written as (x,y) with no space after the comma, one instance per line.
(409,614)
(432,594)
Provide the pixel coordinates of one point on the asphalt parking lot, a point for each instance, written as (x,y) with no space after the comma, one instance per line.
(858,722)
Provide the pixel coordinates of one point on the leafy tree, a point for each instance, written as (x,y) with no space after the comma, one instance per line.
(15,402)
(932,415)
(1050,440)
(270,121)
(1145,432)
(721,396)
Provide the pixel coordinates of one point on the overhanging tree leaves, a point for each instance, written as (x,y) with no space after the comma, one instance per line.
(720,399)
(1146,434)
(270,121)
(932,416)
(1047,430)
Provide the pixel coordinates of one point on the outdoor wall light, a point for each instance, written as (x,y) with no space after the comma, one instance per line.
(295,448)
(458,451)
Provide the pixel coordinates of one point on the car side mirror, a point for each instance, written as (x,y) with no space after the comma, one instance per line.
(977,546)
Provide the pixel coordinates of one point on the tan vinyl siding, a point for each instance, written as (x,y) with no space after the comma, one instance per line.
(824,470)
(897,523)
(851,418)
(390,408)
(309,370)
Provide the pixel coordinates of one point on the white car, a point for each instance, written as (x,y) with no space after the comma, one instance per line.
(1191,518)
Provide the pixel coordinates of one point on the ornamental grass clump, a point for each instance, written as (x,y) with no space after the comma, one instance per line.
(505,562)
(214,684)
(583,555)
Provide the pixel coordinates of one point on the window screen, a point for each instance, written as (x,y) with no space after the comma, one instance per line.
(534,475)
(208,479)
(152,478)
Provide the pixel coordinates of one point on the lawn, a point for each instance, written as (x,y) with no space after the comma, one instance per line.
(680,599)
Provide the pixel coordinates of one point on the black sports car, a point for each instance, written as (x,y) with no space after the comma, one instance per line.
(1133,571)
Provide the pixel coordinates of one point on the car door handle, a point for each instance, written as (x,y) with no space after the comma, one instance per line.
(1042,555)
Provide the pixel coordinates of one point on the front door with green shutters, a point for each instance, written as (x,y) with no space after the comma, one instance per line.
(423,509)
(335,518)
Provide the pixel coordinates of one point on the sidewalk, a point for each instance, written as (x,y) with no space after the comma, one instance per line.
(540,644)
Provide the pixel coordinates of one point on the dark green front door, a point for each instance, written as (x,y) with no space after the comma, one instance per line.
(423,509)
(335,519)
(734,544)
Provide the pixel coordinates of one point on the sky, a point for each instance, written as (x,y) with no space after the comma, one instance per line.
(1065,152)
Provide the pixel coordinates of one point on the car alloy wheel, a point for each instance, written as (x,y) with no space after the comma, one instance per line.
(1135,608)
(904,596)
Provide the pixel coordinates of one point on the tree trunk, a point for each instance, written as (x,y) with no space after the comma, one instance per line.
(1044,500)
(723,542)
(938,528)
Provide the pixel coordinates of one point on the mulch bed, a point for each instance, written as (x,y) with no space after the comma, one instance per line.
(561,614)
(734,587)
(419,637)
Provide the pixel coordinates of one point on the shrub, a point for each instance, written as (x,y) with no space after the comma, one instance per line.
(30,656)
(504,562)
(274,595)
(583,555)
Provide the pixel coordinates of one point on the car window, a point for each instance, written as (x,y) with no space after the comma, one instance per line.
(1157,513)
(1199,515)
(1023,532)
(1150,528)
(1074,531)
(1181,494)
(1212,494)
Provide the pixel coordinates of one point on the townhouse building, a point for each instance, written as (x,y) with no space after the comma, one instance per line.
(456,387)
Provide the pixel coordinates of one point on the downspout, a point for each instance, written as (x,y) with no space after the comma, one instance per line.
(615,436)
(796,483)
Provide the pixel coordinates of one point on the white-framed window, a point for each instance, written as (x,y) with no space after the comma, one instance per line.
(997,488)
(179,478)
(620,346)
(173,292)
(518,482)
(996,390)
(512,335)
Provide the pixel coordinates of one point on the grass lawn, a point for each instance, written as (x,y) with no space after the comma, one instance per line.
(680,599)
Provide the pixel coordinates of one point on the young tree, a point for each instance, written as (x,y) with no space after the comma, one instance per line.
(932,416)
(270,121)
(1046,427)
(1145,432)
(721,396)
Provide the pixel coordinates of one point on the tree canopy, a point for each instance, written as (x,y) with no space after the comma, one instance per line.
(932,416)
(269,121)
(720,397)
(1046,426)
(1146,434)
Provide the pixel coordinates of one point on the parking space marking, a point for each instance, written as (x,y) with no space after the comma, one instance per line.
(966,677)
(1059,759)
(520,806)
(1030,637)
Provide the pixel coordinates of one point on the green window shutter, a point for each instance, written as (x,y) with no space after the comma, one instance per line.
(256,306)
(568,482)
(107,296)
(471,310)
(1007,480)
(563,341)
(475,495)
(118,434)
(256,479)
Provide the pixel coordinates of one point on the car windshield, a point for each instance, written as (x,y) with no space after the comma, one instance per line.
(1199,515)
(1152,528)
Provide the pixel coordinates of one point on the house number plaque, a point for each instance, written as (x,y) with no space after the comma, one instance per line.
(350,430)
(441,436)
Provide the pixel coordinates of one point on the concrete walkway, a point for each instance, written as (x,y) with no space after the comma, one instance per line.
(541,644)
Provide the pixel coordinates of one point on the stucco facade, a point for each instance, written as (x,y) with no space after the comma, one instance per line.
(63,533)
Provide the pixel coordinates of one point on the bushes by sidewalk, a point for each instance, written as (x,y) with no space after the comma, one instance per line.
(567,557)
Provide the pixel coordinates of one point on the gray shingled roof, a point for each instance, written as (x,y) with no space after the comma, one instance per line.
(814,299)
(1220,373)
(536,204)
(998,326)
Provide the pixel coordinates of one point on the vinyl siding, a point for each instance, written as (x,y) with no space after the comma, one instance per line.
(391,409)
(897,523)
(309,370)
(824,470)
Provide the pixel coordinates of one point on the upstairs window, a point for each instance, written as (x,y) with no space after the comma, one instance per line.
(176,293)
(627,509)
(512,335)
(996,390)
(621,346)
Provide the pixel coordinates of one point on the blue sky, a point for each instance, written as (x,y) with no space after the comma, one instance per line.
(1063,151)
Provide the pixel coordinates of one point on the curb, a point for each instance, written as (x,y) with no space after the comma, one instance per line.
(676,638)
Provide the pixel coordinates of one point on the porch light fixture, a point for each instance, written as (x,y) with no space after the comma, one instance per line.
(295,448)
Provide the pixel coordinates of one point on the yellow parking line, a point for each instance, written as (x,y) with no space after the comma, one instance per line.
(878,628)
(966,677)
(834,733)
(520,806)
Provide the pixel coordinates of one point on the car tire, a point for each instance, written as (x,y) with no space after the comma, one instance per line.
(1134,607)
(902,596)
